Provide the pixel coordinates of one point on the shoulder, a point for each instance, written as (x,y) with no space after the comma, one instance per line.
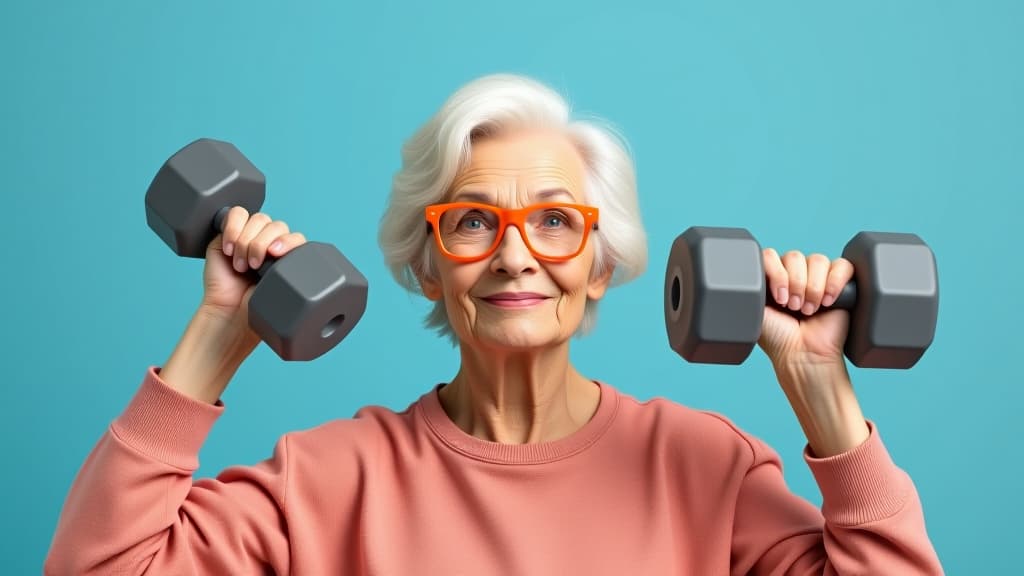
(358,437)
(698,434)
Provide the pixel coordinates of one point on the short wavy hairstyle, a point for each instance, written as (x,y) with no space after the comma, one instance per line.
(440,149)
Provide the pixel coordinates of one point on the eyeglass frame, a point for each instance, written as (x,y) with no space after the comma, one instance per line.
(509,216)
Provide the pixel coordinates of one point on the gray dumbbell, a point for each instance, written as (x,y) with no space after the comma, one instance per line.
(715,294)
(306,302)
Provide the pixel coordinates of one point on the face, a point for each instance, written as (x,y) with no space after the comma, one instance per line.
(514,170)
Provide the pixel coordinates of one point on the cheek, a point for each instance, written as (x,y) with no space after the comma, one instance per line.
(456,285)
(572,280)
(572,277)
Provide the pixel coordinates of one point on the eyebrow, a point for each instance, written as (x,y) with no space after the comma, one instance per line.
(486,198)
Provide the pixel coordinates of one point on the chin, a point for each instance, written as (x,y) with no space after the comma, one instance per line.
(519,338)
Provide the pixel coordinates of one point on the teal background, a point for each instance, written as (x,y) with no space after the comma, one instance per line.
(804,121)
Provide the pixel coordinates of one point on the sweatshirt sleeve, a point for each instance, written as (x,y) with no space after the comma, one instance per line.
(134,507)
(871,520)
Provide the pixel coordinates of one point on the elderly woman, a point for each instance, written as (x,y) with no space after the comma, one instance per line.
(514,220)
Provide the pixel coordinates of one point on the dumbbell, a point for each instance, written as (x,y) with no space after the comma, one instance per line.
(305,302)
(715,296)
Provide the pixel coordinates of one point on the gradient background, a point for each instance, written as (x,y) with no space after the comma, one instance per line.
(804,121)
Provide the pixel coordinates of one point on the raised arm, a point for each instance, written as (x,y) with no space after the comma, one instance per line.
(871,520)
(134,507)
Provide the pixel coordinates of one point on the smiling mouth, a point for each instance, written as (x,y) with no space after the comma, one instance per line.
(515,300)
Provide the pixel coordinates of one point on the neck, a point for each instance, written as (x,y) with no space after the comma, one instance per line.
(519,397)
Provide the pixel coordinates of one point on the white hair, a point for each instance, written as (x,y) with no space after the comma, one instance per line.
(440,149)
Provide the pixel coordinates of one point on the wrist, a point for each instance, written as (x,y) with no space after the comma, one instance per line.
(822,397)
(208,354)
(806,376)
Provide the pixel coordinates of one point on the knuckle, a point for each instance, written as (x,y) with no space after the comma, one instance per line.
(235,218)
(819,258)
(792,256)
(259,246)
(278,228)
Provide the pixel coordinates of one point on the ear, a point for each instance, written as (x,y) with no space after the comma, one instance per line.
(598,284)
(431,288)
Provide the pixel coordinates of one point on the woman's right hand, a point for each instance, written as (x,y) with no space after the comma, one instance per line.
(219,338)
(234,255)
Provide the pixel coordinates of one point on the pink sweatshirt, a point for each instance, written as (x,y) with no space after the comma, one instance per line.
(644,488)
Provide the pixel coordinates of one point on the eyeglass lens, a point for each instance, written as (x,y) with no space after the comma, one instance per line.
(550,231)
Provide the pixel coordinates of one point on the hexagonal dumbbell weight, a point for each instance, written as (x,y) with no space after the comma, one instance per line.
(306,302)
(715,294)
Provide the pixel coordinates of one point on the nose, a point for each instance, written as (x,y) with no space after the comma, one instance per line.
(512,256)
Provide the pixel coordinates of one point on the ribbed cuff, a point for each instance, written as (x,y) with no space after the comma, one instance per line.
(861,485)
(165,424)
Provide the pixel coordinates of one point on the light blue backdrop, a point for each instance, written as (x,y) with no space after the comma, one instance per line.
(805,121)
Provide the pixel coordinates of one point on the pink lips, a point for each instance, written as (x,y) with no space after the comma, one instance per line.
(515,299)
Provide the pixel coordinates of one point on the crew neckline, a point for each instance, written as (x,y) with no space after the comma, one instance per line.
(444,428)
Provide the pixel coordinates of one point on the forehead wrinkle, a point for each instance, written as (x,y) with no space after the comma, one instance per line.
(573,190)
(496,182)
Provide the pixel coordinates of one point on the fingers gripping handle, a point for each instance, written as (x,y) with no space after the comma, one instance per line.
(847,297)
(715,296)
(218,224)
(845,300)
(305,301)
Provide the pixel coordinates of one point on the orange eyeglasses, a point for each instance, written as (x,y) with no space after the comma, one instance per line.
(552,231)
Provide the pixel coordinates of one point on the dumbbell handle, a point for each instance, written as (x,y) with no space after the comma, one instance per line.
(846,300)
(218,223)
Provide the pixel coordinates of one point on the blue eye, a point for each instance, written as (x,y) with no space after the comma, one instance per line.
(554,220)
(473,221)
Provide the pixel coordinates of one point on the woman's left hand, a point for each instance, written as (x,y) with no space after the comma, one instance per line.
(812,337)
(806,348)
